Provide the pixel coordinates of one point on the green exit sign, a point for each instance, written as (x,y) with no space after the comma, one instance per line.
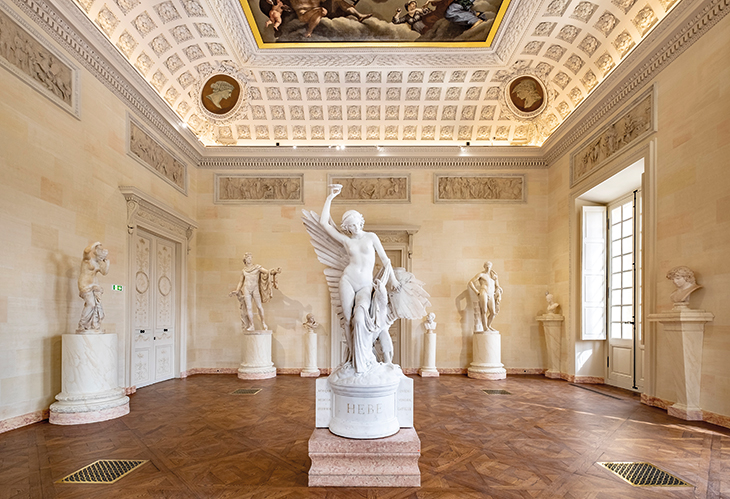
(116,287)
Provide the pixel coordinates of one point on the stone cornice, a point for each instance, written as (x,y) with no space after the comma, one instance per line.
(371,163)
(644,65)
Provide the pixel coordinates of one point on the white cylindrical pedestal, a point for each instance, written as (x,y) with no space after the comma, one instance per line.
(552,324)
(487,356)
(256,351)
(310,356)
(89,388)
(429,356)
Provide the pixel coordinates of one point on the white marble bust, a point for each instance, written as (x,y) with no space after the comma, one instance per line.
(310,324)
(430,324)
(684,279)
(552,307)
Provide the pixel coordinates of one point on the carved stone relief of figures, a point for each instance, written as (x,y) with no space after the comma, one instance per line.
(470,188)
(24,55)
(631,126)
(281,189)
(151,154)
(373,188)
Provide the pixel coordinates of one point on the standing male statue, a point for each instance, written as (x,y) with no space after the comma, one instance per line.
(489,294)
(94,262)
(256,284)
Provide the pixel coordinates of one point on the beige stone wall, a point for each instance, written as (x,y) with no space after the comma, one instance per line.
(451,246)
(59,192)
(692,213)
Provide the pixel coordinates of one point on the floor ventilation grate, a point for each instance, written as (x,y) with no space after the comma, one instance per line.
(596,391)
(497,392)
(102,471)
(246,391)
(645,475)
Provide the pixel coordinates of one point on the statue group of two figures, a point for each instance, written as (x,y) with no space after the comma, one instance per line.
(366,306)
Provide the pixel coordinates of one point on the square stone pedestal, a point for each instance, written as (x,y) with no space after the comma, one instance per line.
(381,462)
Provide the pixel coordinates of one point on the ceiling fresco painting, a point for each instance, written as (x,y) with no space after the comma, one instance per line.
(338,23)
(361,79)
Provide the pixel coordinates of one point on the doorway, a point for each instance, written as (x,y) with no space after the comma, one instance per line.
(154,308)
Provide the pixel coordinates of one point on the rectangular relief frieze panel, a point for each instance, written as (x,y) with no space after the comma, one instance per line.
(27,55)
(471,188)
(150,153)
(372,188)
(632,126)
(242,189)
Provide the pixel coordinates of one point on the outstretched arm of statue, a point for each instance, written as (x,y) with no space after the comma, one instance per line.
(324,219)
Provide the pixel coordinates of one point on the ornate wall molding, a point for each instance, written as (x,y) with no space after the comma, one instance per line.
(147,151)
(707,16)
(475,188)
(372,188)
(31,58)
(254,189)
(369,163)
(632,126)
(48,18)
(142,208)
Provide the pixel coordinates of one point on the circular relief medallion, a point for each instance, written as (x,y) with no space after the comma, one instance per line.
(220,94)
(141,282)
(526,94)
(164,285)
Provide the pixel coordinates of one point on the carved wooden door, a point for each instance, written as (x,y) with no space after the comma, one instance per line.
(154,309)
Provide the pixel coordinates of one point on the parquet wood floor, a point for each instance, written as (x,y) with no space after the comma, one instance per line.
(542,441)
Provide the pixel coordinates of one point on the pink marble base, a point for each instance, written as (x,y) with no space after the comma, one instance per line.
(24,420)
(428,373)
(258,374)
(685,413)
(494,376)
(69,418)
(381,462)
(553,375)
(310,374)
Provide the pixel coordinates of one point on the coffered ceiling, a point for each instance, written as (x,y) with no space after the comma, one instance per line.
(369,93)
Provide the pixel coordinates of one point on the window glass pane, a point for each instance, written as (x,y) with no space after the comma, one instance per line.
(616,281)
(627,245)
(616,264)
(615,232)
(616,214)
(615,330)
(627,313)
(628,228)
(628,210)
(627,296)
(628,262)
(615,314)
(627,279)
(627,331)
(616,247)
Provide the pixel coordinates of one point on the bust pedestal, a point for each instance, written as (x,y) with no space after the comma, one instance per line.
(310,356)
(487,354)
(89,389)
(256,352)
(684,331)
(552,324)
(429,356)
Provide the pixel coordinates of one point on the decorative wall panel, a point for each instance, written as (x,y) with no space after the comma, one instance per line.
(479,188)
(631,126)
(373,188)
(241,189)
(24,53)
(150,153)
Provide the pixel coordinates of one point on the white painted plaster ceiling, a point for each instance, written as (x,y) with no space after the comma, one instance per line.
(371,95)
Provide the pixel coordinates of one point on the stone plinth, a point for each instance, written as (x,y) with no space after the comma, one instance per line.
(552,325)
(487,353)
(310,356)
(684,332)
(429,356)
(256,352)
(89,388)
(383,462)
